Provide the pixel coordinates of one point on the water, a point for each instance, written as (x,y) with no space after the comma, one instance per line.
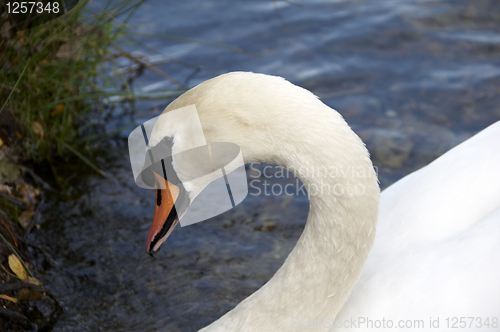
(413,78)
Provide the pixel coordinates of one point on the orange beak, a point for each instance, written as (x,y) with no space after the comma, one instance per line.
(164,220)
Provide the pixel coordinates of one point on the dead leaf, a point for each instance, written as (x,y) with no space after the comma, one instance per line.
(34,281)
(9,172)
(17,267)
(26,294)
(8,298)
(1,142)
(5,189)
(28,194)
(59,108)
(26,219)
(37,129)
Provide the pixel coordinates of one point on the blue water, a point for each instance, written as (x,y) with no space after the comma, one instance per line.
(433,66)
(413,78)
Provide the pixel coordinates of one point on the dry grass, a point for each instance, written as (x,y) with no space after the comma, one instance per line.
(55,77)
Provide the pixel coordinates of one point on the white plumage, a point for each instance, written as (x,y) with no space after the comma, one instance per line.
(437,244)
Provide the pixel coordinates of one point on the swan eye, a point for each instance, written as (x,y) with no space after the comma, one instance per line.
(158,193)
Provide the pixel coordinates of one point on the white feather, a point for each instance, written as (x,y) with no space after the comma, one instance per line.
(438,238)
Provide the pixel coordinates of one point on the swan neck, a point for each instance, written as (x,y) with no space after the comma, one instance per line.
(274,121)
(318,275)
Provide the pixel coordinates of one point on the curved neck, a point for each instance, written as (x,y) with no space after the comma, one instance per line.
(318,275)
(276,122)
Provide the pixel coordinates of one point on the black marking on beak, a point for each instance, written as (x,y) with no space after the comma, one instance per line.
(158,194)
(182,203)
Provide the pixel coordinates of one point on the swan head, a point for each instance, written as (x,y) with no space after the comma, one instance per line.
(183,165)
(202,129)
(186,157)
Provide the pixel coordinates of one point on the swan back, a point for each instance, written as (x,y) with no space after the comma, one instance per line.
(448,196)
(436,249)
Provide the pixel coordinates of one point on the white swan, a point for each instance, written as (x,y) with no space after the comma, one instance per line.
(437,248)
